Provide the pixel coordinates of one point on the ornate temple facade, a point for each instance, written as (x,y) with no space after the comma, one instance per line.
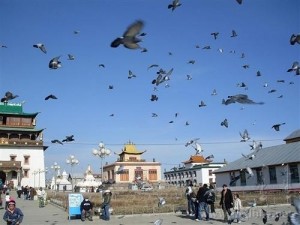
(21,147)
(130,167)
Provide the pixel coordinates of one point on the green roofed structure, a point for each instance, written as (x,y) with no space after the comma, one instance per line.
(21,147)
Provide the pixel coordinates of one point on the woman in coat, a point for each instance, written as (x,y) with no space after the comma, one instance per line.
(226,202)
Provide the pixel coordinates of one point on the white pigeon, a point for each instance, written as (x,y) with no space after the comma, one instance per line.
(161,201)
(197,148)
(158,222)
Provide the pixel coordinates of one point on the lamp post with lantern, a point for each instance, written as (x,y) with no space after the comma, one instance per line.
(102,152)
(72,161)
(55,167)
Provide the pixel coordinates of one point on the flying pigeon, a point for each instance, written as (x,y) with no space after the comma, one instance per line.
(272,91)
(174,5)
(191,141)
(162,77)
(130,74)
(206,47)
(129,38)
(209,157)
(69,138)
(3,46)
(224,123)
(41,47)
(154,98)
(154,115)
(197,148)
(76,31)
(239,1)
(161,201)
(187,123)
(258,73)
(245,136)
(294,217)
(71,57)
(8,96)
(250,172)
(151,66)
(202,104)
(246,66)
(144,50)
(101,65)
(55,63)
(191,61)
(56,141)
(214,92)
(50,97)
(256,146)
(295,38)
(277,126)
(110,87)
(249,157)
(215,34)
(158,222)
(295,68)
(189,77)
(240,98)
(233,33)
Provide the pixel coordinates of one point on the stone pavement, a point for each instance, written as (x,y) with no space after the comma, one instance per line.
(52,215)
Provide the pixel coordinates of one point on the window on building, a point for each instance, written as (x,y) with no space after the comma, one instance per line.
(259,176)
(26,160)
(13,121)
(210,172)
(272,175)
(13,157)
(25,173)
(153,174)
(294,172)
(132,159)
(138,174)
(124,176)
(243,179)
(26,122)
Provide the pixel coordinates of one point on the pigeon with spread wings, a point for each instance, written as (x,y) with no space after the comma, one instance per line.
(69,138)
(162,77)
(41,47)
(129,39)
(8,96)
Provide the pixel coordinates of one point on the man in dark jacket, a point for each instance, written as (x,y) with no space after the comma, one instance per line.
(201,198)
(86,208)
(226,202)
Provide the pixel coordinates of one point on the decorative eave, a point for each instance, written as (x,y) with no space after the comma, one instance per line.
(20,129)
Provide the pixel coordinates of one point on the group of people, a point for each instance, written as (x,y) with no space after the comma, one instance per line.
(86,207)
(204,200)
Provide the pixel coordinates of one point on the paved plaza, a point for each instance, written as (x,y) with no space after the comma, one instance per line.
(52,215)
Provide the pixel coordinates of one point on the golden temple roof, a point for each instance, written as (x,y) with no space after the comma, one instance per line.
(130,148)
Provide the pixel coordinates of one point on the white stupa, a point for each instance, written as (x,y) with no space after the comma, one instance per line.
(63,183)
(89,181)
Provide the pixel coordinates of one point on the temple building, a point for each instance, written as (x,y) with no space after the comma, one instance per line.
(21,147)
(130,167)
(196,169)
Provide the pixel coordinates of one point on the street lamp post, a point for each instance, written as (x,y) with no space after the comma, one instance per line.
(55,167)
(39,171)
(72,161)
(102,152)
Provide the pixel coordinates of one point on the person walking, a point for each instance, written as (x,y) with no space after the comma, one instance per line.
(188,193)
(237,207)
(226,203)
(211,198)
(106,204)
(86,209)
(201,198)
(13,215)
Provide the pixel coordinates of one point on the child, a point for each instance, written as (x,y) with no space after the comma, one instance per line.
(13,215)
(7,199)
(237,206)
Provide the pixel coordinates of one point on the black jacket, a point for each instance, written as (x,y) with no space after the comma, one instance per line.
(228,199)
(201,197)
(86,205)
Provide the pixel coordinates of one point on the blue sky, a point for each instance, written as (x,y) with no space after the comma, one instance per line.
(85,103)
